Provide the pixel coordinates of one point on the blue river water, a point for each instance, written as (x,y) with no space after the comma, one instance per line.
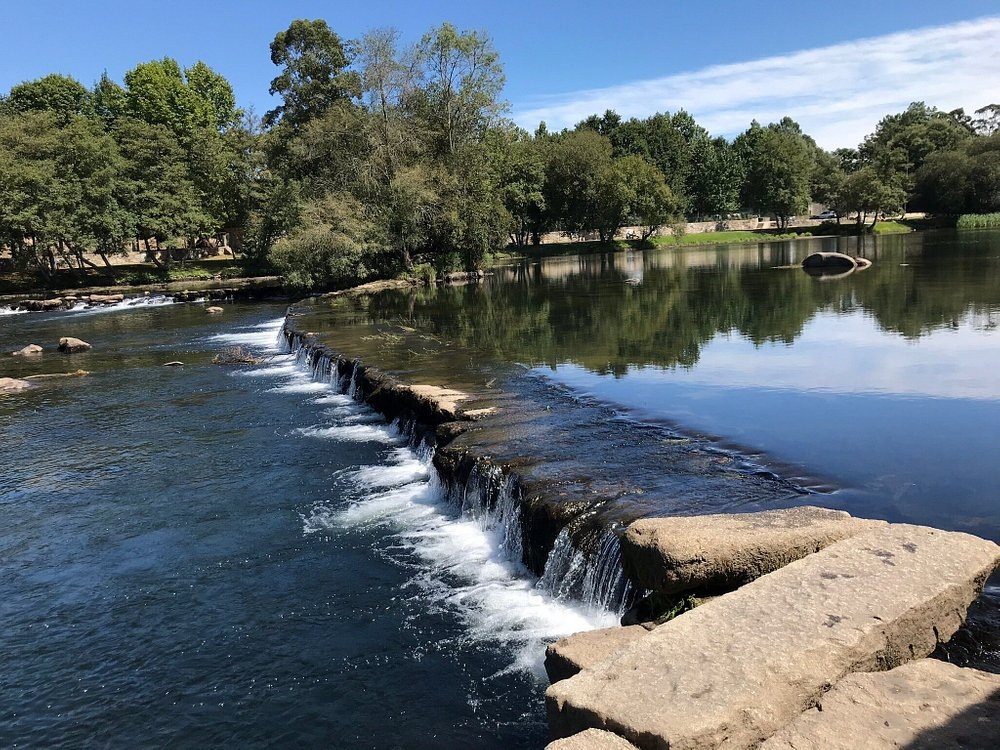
(199,556)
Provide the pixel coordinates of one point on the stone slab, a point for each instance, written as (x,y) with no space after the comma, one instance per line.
(926,704)
(569,655)
(733,671)
(591,739)
(722,552)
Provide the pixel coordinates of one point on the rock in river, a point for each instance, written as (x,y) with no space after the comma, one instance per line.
(70,345)
(28,350)
(829,260)
(214,310)
(13,385)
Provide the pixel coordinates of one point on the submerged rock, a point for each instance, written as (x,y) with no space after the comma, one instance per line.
(924,704)
(70,345)
(724,551)
(53,375)
(13,385)
(27,351)
(738,668)
(214,310)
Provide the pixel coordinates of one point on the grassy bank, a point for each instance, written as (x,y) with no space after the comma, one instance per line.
(138,274)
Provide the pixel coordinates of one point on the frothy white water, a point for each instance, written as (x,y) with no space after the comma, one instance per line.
(353,433)
(465,559)
(134,303)
(11,311)
(308,386)
(462,559)
(264,336)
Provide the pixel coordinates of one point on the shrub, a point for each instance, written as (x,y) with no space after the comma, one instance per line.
(978,221)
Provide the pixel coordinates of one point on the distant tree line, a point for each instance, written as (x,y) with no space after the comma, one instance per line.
(383,158)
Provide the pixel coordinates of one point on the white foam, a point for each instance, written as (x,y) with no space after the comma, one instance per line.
(462,566)
(334,398)
(11,311)
(82,308)
(263,335)
(309,386)
(279,369)
(358,433)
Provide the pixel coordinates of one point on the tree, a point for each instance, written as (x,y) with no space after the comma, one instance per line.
(865,192)
(314,72)
(160,92)
(108,101)
(462,82)
(779,166)
(64,96)
(651,201)
(164,198)
(714,178)
(578,162)
(521,176)
(827,182)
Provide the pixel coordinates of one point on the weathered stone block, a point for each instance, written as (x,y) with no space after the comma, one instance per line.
(924,705)
(721,552)
(733,671)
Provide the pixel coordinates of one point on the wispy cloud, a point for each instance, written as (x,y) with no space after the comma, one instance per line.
(836,93)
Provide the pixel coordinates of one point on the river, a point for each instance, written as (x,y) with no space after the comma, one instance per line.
(208,554)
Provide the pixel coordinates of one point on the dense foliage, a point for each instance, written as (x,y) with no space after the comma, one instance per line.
(382,157)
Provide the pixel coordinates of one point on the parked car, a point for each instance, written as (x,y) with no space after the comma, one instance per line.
(826,215)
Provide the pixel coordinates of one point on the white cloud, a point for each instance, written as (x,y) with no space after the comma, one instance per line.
(838,93)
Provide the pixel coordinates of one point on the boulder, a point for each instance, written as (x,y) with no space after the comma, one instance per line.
(42,305)
(13,385)
(739,667)
(591,739)
(579,651)
(70,345)
(722,552)
(106,299)
(829,260)
(27,351)
(924,705)
(863,263)
(214,310)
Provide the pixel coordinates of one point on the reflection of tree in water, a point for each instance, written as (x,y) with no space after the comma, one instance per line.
(579,308)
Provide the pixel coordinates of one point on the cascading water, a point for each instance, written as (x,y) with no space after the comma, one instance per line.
(491,498)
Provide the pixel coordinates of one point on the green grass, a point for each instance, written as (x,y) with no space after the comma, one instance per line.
(736,236)
(890,227)
(978,221)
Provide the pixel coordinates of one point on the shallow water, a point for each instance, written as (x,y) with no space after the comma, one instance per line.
(204,555)
(881,388)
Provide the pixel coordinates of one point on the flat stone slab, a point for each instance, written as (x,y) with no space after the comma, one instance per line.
(927,704)
(591,739)
(579,651)
(733,671)
(722,552)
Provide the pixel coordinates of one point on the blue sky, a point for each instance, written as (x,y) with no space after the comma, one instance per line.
(727,62)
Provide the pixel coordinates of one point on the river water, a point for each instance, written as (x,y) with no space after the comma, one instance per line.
(206,555)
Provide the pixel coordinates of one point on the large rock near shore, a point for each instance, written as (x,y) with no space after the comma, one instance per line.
(13,385)
(722,552)
(42,305)
(591,739)
(733,671)
(70,345)
(27,351)
(105,299)
(830,260)
(923,705)
(579,651)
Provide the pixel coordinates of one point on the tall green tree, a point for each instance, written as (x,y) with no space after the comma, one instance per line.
(314,75)
(61,95)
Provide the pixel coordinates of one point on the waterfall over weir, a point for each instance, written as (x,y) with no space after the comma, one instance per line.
(491,497)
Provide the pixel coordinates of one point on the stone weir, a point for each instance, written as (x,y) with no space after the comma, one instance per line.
(564,476)
(750,617)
